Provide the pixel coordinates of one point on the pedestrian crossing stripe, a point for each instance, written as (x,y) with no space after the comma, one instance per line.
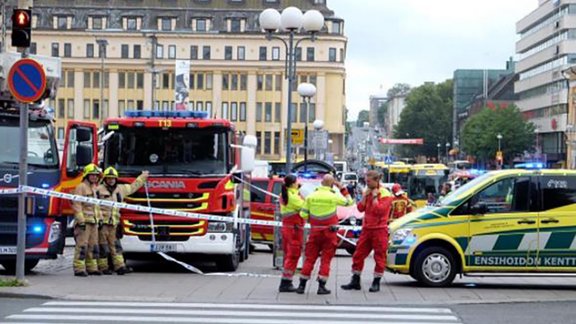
(85,311)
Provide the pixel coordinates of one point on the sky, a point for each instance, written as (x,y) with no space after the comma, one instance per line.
(415,41)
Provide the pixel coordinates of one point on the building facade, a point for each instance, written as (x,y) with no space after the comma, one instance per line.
(376,101)
(394,107)
(235,73)
(546,48)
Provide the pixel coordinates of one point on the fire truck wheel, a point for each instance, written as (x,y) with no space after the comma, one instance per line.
(10,266)
(228,262)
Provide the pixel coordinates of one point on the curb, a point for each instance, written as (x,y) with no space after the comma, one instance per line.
(6,294)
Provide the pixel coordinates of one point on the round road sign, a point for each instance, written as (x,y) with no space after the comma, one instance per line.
(27,80)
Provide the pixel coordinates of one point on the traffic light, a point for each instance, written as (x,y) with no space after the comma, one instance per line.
(21,27)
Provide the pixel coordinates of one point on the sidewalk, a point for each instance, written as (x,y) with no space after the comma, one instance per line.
(166,282)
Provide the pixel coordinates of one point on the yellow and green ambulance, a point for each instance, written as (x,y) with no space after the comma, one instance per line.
(510,221)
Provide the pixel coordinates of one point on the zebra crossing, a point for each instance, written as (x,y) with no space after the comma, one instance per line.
(150,312)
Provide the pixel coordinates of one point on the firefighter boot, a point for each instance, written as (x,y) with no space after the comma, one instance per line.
(121,271)
(354,283)
(286,286)
(322,288)
(302,287)
(375,287)
(81,274)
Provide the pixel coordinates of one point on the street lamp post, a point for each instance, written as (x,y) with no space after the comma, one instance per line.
(318,125)
(447,156)
(102,43)
(306,91)
(438,154)
(291,20)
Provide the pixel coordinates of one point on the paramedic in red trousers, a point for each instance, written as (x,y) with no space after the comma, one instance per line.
(376,204)
(320,208)
(292,230)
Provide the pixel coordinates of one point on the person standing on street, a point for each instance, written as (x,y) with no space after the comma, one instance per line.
(292,230)
(87,218)
(109,243)
(401,205)
(376,204)
(320,207)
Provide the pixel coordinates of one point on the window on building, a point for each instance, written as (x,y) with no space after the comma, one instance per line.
(332,54)
(268,112)
(336,27)
(269,79)
(235,25)
(61,108)
(137,51)
(259,82)
(159,51)
(70,79)
(267,143)
(234,82)
(258,112)
(303,113)
(194,52)
(201,25)
(95,109)
(121,80)
(310,54)
(124,51)
(89,50)
(102,51)
(140,80)
(199,106)
(33,48)
(259,143)
(298,53)
(224,112)
(275,53)
(312,112)
(242,111)
(277,112)
(276,143)
(165,80)
(243,82)
(97,23)
(225,81)
(96,79)
(209,108)
(228,53)
(313,79)
(121,107)
(131,23)
(200,81)
(55,50)
(206,52)
(60,132)
(234,111)
(166,24)
(278,82)
(208,81)
(172,51)
(294,112)
(86,109)
(67,50)
(62,22)
(241,55)
(87,80)
(70,108)
(263,53)
(192,81)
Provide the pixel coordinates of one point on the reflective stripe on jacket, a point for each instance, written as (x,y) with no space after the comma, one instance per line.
(111,215)
(84,212)
(321,206)
(291,211)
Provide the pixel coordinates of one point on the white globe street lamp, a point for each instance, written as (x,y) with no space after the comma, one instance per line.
(306,91)
(291,20)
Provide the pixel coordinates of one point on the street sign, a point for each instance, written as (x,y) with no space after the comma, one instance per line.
(388,159)
(499,156)
(320,140)
(297,136)
(27,80)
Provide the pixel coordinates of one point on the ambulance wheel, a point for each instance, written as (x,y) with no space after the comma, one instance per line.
(435,267)
(10,266)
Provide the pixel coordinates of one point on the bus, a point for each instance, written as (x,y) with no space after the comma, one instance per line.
(425,179)
(397,172)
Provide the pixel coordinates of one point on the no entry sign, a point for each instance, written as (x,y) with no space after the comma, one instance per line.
(27,80)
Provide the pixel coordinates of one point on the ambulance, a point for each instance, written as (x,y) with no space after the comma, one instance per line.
(508,221)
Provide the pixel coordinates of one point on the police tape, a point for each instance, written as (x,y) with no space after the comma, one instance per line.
(155,210)
(11,191)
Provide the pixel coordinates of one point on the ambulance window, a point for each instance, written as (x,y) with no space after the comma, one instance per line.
(259,196)
(505,196)
(558,191)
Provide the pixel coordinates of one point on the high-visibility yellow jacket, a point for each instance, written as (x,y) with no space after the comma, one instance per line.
(291,210)
(111,215)
(321,206)
(84,212)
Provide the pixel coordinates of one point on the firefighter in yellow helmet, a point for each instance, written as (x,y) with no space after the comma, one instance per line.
(109,243)
(86,218)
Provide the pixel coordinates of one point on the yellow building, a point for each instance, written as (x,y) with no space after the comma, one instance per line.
(235,72)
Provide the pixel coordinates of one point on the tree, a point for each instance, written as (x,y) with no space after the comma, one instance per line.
(427,115)
(479,135)
(363,116)
(399,89)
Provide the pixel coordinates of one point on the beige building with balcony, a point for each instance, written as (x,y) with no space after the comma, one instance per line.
(235,73)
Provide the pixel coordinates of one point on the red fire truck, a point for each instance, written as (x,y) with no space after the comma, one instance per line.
(196,166)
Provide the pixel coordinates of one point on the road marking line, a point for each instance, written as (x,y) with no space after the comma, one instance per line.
(358,316)
(165,319)
(254,306)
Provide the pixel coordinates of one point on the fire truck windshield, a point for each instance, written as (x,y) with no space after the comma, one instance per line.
(42,150)
(176,151)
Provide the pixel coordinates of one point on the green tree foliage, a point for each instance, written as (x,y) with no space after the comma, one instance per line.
(480,131)
(363,116)
(399,89)
(427,115)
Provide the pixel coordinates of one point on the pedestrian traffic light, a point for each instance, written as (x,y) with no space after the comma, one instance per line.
(21,27)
